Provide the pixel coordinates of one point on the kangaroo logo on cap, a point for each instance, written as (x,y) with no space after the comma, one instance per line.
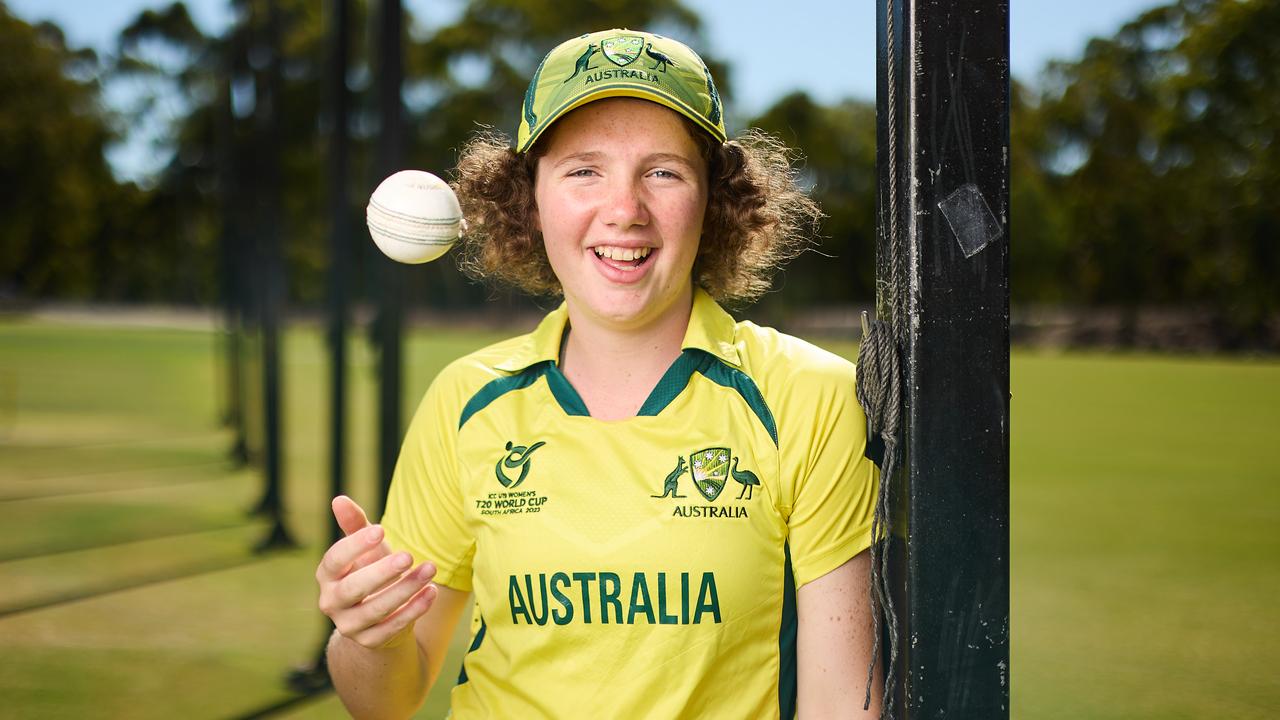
(584,61)
(622,50)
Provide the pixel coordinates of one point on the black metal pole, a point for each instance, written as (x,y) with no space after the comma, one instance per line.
(339,251)
(232,282)
(950,82)
(247,246)
(315,678)
(390,319)
(275,286)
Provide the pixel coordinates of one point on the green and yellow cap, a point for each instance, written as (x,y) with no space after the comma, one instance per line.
(619,63)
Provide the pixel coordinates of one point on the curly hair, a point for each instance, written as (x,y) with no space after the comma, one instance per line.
(757,216)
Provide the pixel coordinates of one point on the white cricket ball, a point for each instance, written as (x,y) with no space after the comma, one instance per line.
(414,217)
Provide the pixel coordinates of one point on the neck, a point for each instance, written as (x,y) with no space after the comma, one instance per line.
(614,369)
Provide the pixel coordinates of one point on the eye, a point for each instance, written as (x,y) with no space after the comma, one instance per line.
(665,174)
(581,172)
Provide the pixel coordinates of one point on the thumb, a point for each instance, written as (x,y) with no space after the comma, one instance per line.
(350,516)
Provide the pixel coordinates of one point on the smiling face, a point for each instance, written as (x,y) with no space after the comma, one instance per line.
(621,192)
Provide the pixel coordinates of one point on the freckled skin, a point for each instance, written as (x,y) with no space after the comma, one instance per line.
(622,171)
(835,644)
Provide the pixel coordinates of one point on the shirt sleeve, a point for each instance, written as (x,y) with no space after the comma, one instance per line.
(424,513)
(834,484)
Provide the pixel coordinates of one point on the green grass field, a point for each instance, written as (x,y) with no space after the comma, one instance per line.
(1145,496)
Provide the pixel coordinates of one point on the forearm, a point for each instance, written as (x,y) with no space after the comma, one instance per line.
(387,682)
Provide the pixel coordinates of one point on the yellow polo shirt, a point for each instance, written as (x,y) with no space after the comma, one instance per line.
(645,567)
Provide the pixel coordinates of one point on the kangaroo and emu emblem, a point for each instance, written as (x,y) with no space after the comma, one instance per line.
(710,469)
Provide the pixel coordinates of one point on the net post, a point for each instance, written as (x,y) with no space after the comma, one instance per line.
(339,157)
(390,319)
(231,263)
(946,67)
(314,678)
(274,287)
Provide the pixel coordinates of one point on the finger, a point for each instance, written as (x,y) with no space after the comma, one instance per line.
(377,607)
(374,554)
(383,603)
(340,556)
(361,584)
(382,633)
(350,516)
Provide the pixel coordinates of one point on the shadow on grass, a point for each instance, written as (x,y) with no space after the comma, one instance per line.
(80,547)
(18,497)
(203,567)
(286,705)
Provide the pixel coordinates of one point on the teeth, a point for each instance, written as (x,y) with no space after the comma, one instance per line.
(623,254)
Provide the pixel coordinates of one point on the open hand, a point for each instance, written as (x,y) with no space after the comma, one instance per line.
(370,592)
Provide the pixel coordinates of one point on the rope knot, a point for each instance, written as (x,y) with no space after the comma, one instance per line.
(879,391)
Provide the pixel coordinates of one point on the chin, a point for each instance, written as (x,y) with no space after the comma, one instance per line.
(622,311)
(629,308)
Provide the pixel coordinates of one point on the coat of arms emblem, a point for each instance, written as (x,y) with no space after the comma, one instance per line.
(710,469)
(623,49)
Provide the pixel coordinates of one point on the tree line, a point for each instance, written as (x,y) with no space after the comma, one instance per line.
(1142,173)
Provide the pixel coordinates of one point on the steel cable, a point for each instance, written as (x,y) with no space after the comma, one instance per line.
(879,392)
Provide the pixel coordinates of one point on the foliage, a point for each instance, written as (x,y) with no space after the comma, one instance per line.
(52,168)
(1162,155)
(500,40)
(221,146)
(1041,244)
(1142,173)
(838,146)
(71,229)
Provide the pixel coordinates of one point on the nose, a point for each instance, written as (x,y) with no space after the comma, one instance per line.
(625,204)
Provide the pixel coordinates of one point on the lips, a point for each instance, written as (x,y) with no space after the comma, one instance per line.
(622,264)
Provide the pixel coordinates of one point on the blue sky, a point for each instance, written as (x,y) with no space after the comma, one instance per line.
(771,52)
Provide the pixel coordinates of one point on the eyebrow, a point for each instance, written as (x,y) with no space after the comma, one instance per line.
(588,156)
(593,155)
(673,157)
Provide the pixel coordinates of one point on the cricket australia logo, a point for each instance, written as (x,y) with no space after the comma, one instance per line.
(517,457)
(710,469)
(623,49)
